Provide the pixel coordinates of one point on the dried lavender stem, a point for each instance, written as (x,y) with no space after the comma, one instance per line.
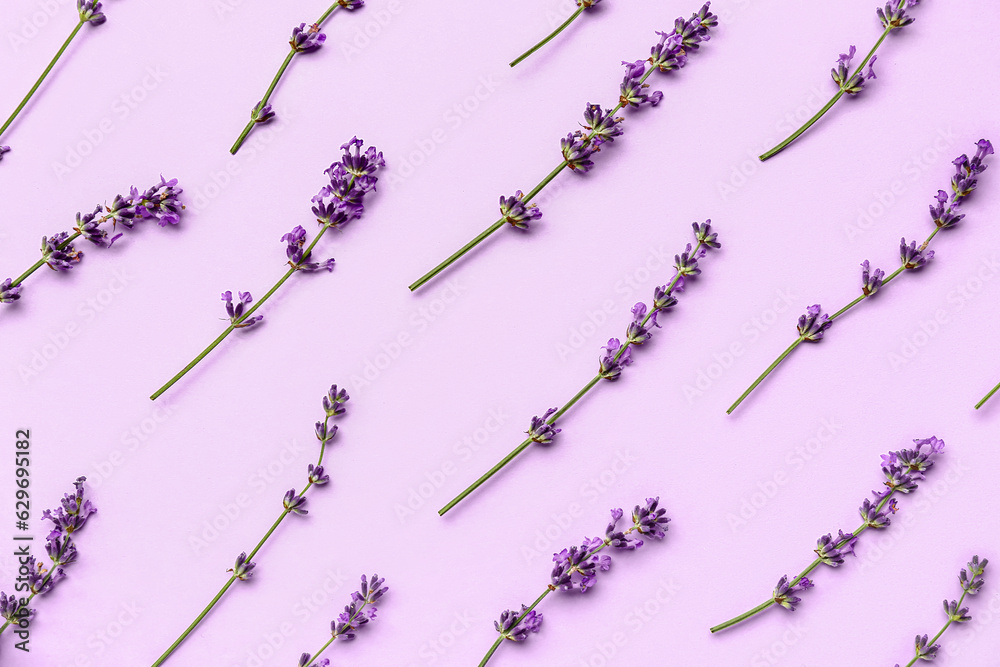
(549,38)
(938,635)
(496,644)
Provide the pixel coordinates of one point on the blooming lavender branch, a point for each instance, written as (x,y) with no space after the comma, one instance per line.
(89,12)
(357,613)
(581,6)
(903,470)
(67,520)
(161,202)
(972,582)
(601,126)
(945,214)
(892,17)
(617,355)
(337,203)
(576,568)
(305,39)
(292,503)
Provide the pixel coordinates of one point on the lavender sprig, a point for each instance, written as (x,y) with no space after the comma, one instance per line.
(892,17)
(972,581)
(576,568)
(358,612)
(305,39)
(581,6)
(617,354)
(600,126)
(67,520)
(90,12)
(161,202)
(338,202)
(946,213)
(903,470)
(292,503)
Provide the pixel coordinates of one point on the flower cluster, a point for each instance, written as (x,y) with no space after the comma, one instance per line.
(576,568)
(852,84)
(359,612)
(945,213)
(894,16)
(3,149)
(516,213)
(90,12)
(903,470)
(235,312)
(161,202)
(67,519)
(971,579)
(306,39)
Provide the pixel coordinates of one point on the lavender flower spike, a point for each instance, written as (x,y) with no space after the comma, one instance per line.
(89,12)
(600,126)
(972,582)
(338,202)
(292,503)
(60,546)
(944,215)
(577,567)
(617,354)
(359,612)
(582,5)
(909,464)
(305,39)
(851,81)
(161,202)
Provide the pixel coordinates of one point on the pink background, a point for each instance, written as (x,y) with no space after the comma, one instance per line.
(498,339)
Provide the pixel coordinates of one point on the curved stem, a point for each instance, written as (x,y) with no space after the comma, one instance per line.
(38,83)
(326,14)
(829,105)
(320,651)
(549,38)
(195,623)
(764,375)
(496,644)
(260,105)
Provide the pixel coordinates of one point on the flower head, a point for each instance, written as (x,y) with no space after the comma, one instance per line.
(967,171)
(351,4)
(922,650)
(812,325)
(361,609)
(161,201)
(784,595)
(39,580)
(831,551)
(945,214)
(639,329)
(576,567)
(510,628)
(294,503)
(12,610)
(305,39)
(894,17)
(954,613)
(586,4)
(686,263)
(971,577)
(60,549)
(334,403)
(913,257)
(72,513)
(871,281)
(514,211)
(577,149)
(663,297)
(873,516)
(633,90)
(668,54)
(852,84)
(704,234)
(617,538)
(90,11)
(650,519)
(9,293)
(243,569)
(235,311)
(541,431)
(614,360)
(317,476)
(59,253)
(603,125)
(262,114)
(295,251)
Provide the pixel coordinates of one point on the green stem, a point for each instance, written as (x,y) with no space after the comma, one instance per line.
(549,38)
(802,575)
(987,397)
(829,105)
(938,635)
(496,644)
(38,83)
(326,14)
(764,375)
(194,624)
(260,105)
(288,274)
(350,620)
(37,265)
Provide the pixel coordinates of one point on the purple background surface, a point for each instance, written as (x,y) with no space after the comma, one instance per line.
(502,337)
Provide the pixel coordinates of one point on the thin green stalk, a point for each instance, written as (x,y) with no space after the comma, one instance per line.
(314,656)
(764,375)
(38,83)
(235,325)
(802,575)
(938,635)
(558,413)
(987,397)
(496,644)
(260,105)
(829,105)
(549,38)
(499,223)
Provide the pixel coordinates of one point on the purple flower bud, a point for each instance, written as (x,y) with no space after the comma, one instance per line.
(955,614)
(243,569)
(612,363)
(893,16)
(333,402)
(972,578)
(73,512)
(39,580)
(586,4)
(9,293)
(58,253)
(633,93)
(945,215)
(295,251)
(812,325)
(306,39)
(161,201)
(911,256)
(577,149)
(784,595)
(542,432)
(602,125)
(12,610)
(616,538)
(874,517)
(361,164)
(90,12)
(871,281)
(831,551)
(325,431)
(704,235)
(235,312)
(510,629)
(261,114)
(662,299)
(317,475)
(668,54)
(851,84)
(922,650)
(61,550)
(514,211)
(649,519)
(294,503)
(686,263)
(966,171)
